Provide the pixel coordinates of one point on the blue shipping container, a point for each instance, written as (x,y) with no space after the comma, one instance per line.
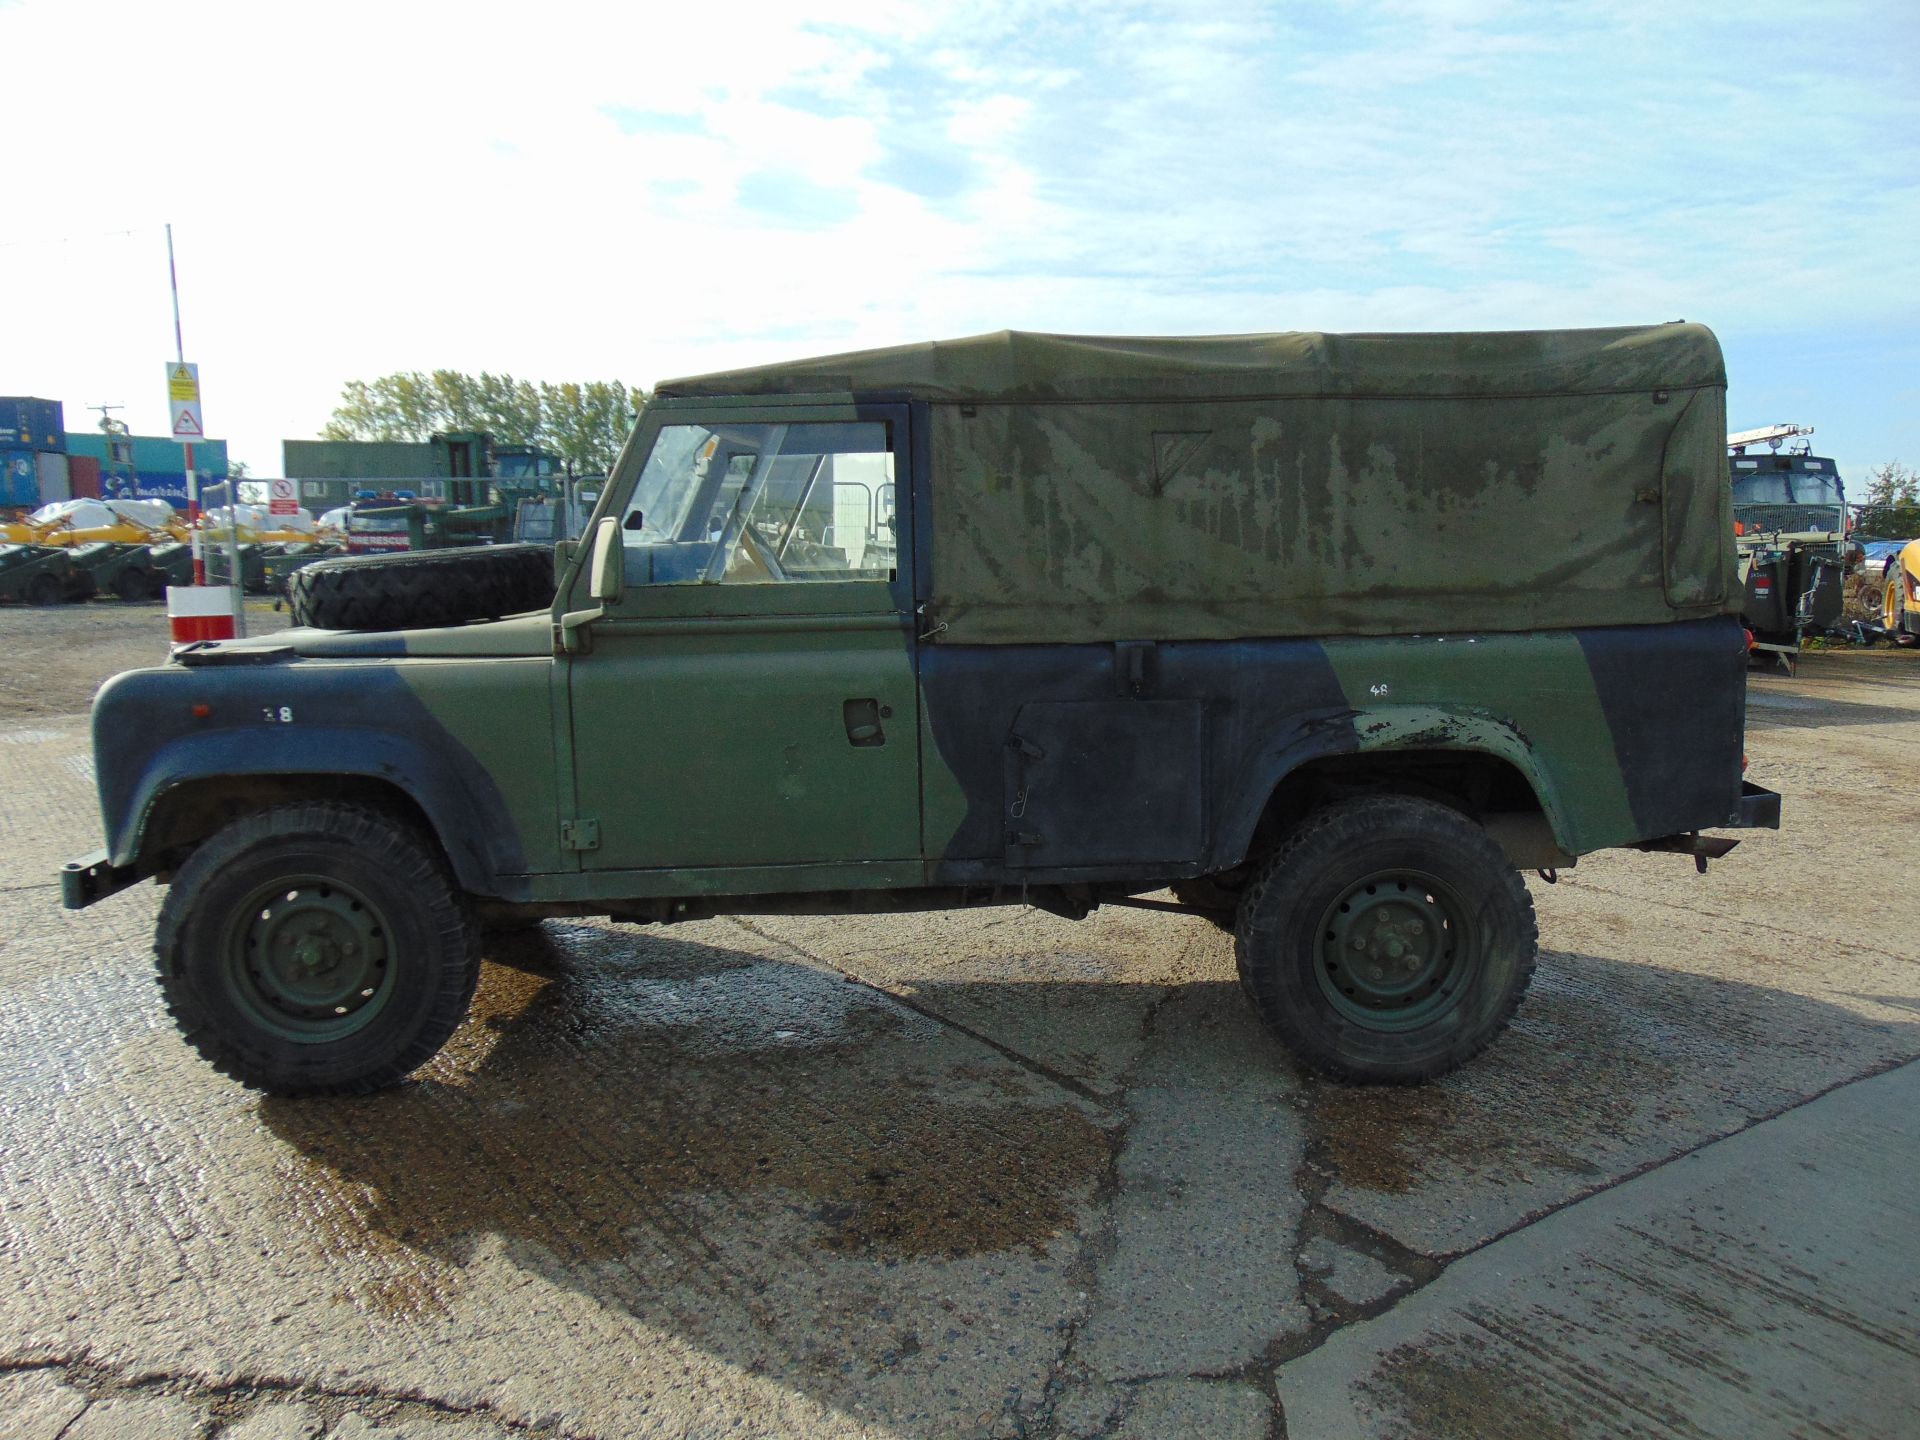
(19,478)
(159,463)
(32,424)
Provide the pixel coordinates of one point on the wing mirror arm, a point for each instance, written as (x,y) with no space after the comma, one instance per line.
(606,582)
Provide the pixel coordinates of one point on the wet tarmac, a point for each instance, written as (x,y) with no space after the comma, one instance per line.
(980,1174)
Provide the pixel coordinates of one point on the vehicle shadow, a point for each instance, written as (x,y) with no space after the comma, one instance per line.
(1767,711)
(825,1188)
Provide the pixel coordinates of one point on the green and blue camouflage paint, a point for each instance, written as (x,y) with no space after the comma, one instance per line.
(1141,586)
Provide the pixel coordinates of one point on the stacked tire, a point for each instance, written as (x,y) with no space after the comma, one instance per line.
(422,589)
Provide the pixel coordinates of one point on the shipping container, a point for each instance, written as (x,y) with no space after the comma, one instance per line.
(83,477)
(54,476)
(28,423)
(155,468)
(19,478)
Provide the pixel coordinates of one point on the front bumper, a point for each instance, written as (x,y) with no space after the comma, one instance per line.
(93,877)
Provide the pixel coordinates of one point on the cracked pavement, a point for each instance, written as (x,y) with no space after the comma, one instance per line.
(998,1174)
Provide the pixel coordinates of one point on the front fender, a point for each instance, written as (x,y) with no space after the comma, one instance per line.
(150,738)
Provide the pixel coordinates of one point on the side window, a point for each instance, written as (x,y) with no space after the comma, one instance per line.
(728,504)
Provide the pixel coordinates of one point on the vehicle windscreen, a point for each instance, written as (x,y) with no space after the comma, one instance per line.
(1788,494)
(810,500)
(1783,487)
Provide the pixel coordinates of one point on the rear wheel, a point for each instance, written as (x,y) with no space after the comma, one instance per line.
(1387,940)
(316,949)
(45,589)
(132,584)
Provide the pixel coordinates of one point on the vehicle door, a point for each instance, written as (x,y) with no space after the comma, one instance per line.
(748,704)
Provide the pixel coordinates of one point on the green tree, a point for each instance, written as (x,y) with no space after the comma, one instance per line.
(589,423)
(1891,509)
(584,423)
(400,406)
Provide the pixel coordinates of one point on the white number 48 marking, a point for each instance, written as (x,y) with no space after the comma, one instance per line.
(280,716)
(1377,691)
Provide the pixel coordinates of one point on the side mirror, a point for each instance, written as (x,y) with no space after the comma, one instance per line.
(606,571)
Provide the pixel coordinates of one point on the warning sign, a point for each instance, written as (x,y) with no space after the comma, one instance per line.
(183,398)
(281,499)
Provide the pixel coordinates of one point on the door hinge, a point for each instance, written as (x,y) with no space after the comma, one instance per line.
(581,834)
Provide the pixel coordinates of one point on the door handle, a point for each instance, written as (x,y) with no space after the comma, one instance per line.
(862,719)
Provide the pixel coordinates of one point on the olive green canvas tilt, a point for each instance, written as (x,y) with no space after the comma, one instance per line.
(1308,484)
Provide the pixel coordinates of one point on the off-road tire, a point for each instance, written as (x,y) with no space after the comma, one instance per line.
(257,939)
(133,584)
(422,589)
(1896,611)
(1435,875)
(45,589)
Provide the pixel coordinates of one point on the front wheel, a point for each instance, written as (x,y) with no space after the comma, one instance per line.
(316,949)
(1387,941)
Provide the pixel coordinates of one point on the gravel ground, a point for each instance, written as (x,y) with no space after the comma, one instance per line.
(56,657)
(985,1174)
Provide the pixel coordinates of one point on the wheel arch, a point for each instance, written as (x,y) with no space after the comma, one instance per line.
(1475,763)
(192,788)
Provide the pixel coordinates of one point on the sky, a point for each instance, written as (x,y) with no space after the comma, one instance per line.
(634,192)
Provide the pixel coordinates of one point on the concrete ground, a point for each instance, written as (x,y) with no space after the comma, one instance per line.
(992,1174)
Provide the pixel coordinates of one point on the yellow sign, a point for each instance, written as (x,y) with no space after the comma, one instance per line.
(183,399)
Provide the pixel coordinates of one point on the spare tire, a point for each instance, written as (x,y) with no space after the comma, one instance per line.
(421,589)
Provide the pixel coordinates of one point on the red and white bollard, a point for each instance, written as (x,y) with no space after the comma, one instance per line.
(199,612)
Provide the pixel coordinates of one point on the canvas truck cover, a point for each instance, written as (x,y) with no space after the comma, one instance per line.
(1221,487)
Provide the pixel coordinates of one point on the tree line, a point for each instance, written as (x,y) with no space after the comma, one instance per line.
(584,424)
(1891,508)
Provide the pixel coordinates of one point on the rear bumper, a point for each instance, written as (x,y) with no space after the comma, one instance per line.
(1759,809)
(93,877)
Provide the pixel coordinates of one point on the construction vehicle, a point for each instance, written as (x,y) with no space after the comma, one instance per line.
(1900,603)
(1790,530)
(83,522)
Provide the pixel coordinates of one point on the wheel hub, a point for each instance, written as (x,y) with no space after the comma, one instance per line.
(310,958)
(1392,949)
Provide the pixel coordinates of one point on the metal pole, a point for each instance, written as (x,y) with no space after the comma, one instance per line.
(233,559)
(193,478)
(173,282)
(193,521)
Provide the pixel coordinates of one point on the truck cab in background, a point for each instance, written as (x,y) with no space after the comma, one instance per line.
(1790,528)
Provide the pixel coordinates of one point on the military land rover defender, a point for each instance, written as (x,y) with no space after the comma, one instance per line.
(1331,636)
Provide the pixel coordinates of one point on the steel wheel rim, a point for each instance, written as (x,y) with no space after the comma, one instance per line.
(308,959)
(1395,949)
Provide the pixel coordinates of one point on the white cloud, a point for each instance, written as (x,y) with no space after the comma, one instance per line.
(363,187)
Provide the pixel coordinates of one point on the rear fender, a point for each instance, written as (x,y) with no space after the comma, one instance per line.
(1385,729)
